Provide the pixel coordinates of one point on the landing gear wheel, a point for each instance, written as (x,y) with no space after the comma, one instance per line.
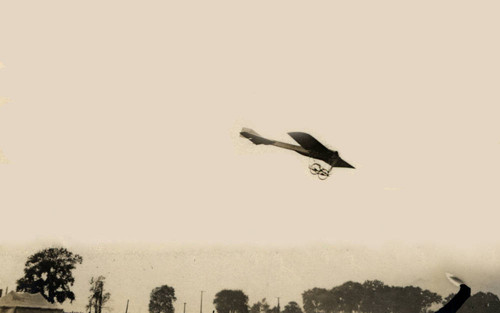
(315,168)
(323,174)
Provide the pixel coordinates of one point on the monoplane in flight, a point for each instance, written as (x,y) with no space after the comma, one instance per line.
(309,146)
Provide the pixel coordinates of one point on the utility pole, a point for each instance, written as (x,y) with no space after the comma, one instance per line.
(278,304)
(201,302)
(126,309)
(184,307)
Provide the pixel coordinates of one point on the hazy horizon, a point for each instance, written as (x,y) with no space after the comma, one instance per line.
(133,270)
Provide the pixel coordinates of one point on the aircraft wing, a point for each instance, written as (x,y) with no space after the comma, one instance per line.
(342,163)
(308,142)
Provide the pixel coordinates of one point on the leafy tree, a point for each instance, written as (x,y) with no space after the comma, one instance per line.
(260,307)
(314,300)
(98,297)
(350,296)
(292,307)
(411,299)
(231,301)
(161,300)
(49,272)
(263,307)
(375,297)
(424,299)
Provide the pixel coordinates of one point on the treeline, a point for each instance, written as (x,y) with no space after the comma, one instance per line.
(236,301)
(376,297)
(49,272)
(369,297)
(352,297)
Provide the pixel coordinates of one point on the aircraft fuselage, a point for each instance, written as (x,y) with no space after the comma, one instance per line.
(309,147)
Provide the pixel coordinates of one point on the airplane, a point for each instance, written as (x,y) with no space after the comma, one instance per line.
(309,147)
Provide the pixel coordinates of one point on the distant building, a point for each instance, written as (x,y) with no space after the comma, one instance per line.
(19,302)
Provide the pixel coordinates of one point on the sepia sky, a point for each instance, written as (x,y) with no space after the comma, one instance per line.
(121,129)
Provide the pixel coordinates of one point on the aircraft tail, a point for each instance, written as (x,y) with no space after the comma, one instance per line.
(254,137)
(248,131)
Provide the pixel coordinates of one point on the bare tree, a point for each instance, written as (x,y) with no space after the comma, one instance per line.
(98,297)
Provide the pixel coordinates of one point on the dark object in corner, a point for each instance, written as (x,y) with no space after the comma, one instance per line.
(457,301)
